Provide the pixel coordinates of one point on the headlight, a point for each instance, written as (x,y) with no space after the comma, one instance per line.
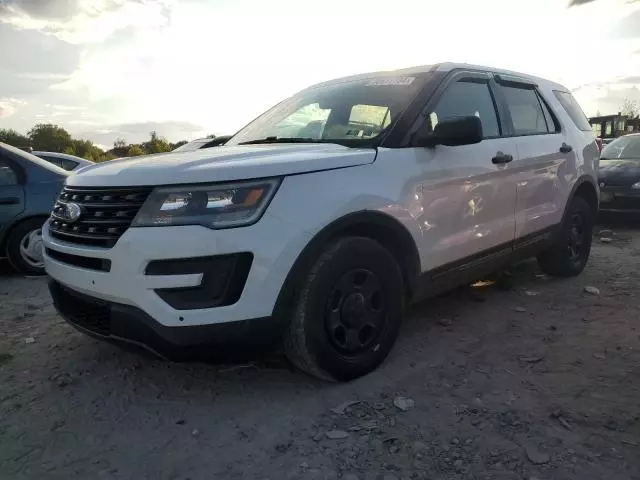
(213,206)
(636,185)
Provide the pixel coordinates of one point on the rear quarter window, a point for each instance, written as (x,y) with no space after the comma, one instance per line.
(572,107)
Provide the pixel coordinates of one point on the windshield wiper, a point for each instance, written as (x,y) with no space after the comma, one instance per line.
(282,140)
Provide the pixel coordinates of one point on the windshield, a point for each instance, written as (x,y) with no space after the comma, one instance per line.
(33,159)
(622,147)
(351,113)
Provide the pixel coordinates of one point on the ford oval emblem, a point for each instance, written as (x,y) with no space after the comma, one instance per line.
(73,212)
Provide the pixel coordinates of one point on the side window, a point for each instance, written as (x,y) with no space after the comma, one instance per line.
(8,175)
(573,110)
(552,124)
(68,164)
(526,111)
(464,99)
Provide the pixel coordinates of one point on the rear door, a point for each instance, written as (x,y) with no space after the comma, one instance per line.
(542,158)
(12,201)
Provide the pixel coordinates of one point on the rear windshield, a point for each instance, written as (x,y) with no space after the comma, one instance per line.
(622,147)
(33,159)
(573,109)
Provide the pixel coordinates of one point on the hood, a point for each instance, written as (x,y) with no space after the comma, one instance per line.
(619,172)
(221,164)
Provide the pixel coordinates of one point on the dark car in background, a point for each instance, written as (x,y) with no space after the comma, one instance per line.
(619,175)
(29,187)
(203,143)
(64,160)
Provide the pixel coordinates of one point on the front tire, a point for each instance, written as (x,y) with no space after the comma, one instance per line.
(570,253)
(25,249)
(347,312)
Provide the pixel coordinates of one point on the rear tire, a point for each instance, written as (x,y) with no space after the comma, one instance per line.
(347,312)
(25,249)
(570,253)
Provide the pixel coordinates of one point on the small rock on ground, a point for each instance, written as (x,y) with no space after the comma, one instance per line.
(535,455)
(592,290)
(403,403)
(336,434)
(340,409)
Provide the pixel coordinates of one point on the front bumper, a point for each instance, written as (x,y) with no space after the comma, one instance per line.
(125,274)
(619,199)
(130,326)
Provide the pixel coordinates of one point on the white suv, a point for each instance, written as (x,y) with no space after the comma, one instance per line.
(317,224)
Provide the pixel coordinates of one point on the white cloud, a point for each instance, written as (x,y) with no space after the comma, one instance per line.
(9,106)
(90,20)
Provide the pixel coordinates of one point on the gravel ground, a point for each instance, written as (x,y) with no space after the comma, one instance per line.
(534,379)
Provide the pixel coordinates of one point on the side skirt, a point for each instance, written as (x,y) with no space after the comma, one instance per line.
(470,269)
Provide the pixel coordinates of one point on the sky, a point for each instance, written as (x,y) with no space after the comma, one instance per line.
(105,69)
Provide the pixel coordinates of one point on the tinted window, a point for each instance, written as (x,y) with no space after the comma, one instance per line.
(7,174)
(68,164)
(526,111)
(552,125)
(464,99)
(573,110)
(623,147)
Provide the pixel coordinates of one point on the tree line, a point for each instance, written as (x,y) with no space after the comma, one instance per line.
(53,138)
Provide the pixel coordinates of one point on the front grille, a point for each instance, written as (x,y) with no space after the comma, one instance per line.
(106,213)
(84,311)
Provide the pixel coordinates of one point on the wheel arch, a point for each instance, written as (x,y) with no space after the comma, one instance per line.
(585,187)
(379,226)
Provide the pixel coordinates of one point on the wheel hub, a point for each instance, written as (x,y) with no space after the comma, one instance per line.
(356,311)
(353,310)
(31,249)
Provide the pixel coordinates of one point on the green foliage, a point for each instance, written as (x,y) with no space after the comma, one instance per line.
(156,144)
(11,137)
(48,137)
(53,138)
(135,151)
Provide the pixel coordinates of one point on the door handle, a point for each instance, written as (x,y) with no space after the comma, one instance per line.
(9,201)
(565,148)
(502,158)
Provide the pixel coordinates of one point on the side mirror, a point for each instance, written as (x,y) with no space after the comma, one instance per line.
(454,132)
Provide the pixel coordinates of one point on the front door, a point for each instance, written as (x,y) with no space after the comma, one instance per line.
(468,192)
(11,194)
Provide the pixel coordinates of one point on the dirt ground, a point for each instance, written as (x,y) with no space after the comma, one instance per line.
(534,380)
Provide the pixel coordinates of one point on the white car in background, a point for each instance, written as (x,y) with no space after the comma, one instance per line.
(68,162)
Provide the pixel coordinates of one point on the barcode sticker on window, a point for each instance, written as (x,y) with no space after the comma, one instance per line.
(390,81)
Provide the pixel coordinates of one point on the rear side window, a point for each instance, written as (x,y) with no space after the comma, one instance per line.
(7,174)
(68,164)
(529,114)
(465,98)
(573,110)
